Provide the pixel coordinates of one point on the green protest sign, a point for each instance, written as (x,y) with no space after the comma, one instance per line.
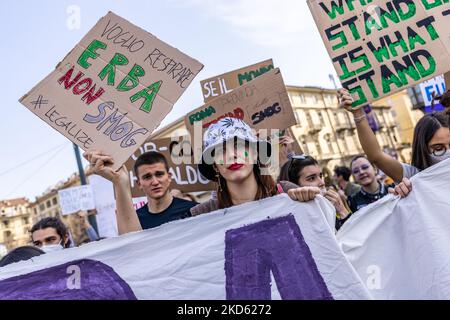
(380,47)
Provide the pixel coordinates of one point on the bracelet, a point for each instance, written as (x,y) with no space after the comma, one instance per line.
(360,118)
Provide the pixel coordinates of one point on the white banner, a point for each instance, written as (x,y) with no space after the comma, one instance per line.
(271,249)
(401,247)
(75,199)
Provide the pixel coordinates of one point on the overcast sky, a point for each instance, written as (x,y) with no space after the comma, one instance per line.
(222,34)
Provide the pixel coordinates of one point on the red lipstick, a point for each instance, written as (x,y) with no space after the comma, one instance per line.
(235,166)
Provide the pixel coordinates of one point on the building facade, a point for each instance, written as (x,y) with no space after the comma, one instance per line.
(47,205)
(15,223)
(329,134)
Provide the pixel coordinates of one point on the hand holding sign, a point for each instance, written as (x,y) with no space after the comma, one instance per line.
(346,100)
(380,47)
(113,89)
(103,164)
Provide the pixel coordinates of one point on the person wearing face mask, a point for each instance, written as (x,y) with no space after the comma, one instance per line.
(50,234)
(431,144)
(365,175)
(304,171)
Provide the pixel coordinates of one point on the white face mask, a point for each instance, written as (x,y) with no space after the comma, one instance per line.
(52,248)
(437,159)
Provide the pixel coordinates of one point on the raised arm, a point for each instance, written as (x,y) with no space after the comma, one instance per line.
(127,219)
(368,140)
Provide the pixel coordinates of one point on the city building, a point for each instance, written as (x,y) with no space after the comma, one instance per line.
(323,131)
(328,133)
(47,205)
(15,223)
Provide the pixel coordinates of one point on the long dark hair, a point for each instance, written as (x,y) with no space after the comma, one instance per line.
(266,188)
(423,133)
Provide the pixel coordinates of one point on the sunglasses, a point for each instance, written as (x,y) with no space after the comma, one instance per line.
(364,167)
(300,157)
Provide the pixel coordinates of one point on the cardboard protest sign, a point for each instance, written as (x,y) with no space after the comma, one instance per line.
(224,83)
(447,80)
(75,199)
(105,205)
(113,89)
(185,174)
(380,47)
(434,86)
(262,103)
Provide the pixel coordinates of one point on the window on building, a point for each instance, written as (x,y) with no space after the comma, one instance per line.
(302,98)
(49,204)
(35,211)
(322,120)
(6,223)
(314,99)
(327,138)
(297,117)
(42,207)
(297,98)
(304,144)
(394,136)
(356,142)
(55,200)
(335,117)
(25,221)
(318,148)
(332,99)
(291,98)
(308,118)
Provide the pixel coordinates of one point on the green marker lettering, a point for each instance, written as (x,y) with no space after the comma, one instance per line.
(149,94)
(110,69)
(90,52)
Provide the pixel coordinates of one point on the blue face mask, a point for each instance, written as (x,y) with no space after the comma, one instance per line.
(437,159)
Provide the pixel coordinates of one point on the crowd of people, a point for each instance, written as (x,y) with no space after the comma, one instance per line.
(232,158)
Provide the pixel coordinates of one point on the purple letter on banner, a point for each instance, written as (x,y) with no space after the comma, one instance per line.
(276,245)
(98,282)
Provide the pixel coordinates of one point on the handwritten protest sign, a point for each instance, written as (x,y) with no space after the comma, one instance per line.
(263,103)
(434,86)
(75,199)
(224,83)
(105,205)
(179,155)
(113,89)
(380,47)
